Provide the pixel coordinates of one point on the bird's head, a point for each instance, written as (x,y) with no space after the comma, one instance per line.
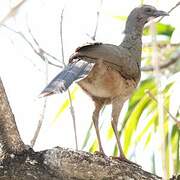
(140,16)
(145,13)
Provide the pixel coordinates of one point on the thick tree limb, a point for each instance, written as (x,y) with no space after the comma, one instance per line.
(83,165)
(65,164)
(9,135)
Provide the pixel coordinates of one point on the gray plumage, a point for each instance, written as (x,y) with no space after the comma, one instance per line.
(72,72)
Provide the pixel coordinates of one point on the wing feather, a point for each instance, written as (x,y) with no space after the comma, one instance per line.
(72,72)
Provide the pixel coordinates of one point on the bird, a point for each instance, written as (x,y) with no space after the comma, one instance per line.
(108,73)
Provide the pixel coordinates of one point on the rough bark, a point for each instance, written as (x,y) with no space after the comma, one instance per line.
(9,136)
(66,164)
(22,163)
(84,165)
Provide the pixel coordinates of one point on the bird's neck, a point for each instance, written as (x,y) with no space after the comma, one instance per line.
(133,40)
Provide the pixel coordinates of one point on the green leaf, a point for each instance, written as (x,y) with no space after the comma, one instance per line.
(162,29)
(174,138)
(110,132)
(133,121)
(166,141)
(65,104)
(136,97)
(147,127)
(87,136)
(178,154)
(115,153)
(94,146)
(139,93)
(147,140)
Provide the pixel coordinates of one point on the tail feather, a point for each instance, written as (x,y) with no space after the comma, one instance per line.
(72,72)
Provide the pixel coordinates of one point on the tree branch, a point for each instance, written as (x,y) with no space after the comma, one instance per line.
(86,166)
(13,11)
(38,51)
(174,7)
(97,21)
(63,164)
(9,135)
(69,94)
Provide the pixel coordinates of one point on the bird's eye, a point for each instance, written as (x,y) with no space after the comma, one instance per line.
(148,10)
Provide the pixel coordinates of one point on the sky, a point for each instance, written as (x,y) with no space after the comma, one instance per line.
(24,73)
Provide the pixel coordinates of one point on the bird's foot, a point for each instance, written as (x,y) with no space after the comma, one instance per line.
(100,153)
(123,158)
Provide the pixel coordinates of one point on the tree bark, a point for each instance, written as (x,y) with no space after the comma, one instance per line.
(9,136)
(65,164)
(21,163)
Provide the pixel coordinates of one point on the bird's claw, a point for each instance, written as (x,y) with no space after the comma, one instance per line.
(100,153)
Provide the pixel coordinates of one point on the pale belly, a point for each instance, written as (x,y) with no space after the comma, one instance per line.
(104,82)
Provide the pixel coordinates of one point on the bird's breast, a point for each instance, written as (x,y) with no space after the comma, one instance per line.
(104,81)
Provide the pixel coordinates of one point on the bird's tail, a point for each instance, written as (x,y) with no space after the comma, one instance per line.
(75,71)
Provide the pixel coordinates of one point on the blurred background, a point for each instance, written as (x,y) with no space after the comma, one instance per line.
(34,38)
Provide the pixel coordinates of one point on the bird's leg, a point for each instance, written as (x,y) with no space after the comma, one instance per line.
(117,105)
(98,106)
(116,109)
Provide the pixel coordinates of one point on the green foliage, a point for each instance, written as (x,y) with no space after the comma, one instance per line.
(65,104)
(133,121)
(162,29)
(87,136)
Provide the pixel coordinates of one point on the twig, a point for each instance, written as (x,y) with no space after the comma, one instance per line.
(30,32)
(40,122)
(174,7)
(13,11)
(170,115)
(172,61)
(36,134)
(39,51)
(156,21)
(61,37)
(69,95)
(53,57)
(97,21)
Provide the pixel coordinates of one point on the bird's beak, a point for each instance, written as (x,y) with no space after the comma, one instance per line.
(160,13)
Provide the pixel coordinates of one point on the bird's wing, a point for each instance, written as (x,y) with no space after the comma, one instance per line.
(76,70)
(83,60)
(116,57)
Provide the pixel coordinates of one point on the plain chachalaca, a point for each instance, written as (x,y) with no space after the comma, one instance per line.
(108,73)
